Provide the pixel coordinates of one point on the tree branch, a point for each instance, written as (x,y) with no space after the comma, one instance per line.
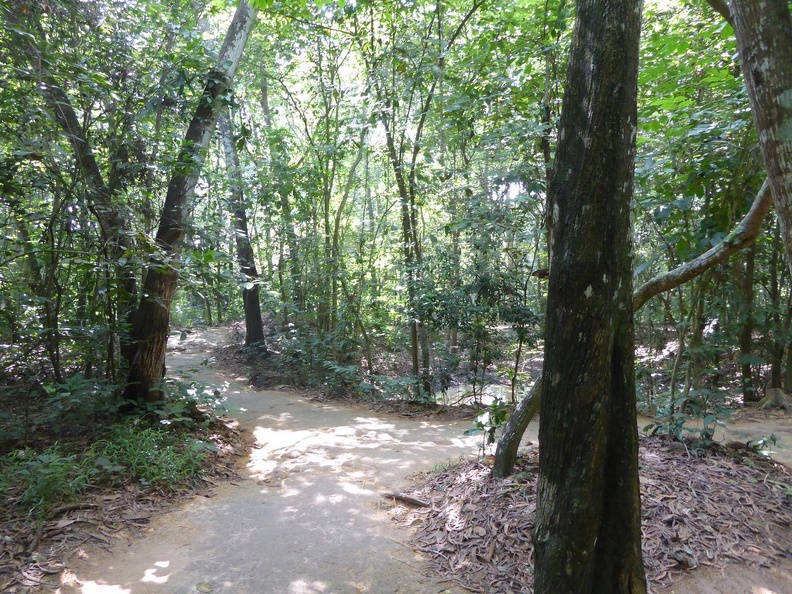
(721,8)
(741,237)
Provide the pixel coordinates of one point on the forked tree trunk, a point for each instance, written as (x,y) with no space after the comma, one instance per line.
(152,322)
(254,326)
(588,516)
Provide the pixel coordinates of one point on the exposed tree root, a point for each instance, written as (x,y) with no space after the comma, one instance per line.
(776,397)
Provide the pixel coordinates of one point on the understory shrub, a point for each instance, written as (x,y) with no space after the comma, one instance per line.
(154,458)
(37,482)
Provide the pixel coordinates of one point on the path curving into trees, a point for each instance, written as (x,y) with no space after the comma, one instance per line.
(306,518)
(307,515)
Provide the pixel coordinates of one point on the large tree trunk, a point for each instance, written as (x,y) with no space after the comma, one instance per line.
(588,516)
(764,38)
(151,324)
(254,326)
(742,236)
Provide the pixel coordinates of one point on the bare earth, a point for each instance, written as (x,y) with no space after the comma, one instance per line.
(309,517)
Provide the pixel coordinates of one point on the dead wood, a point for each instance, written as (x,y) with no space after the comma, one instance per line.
(407,499)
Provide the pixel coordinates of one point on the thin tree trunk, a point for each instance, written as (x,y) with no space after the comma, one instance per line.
(254,326)
(747,321)
(742,236)
(779,339)
(113,226)
(151,324)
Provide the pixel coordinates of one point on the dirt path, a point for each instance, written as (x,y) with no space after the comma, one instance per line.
(308,518)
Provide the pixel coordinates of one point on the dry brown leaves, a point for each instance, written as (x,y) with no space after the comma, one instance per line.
(31,559)
(711,509)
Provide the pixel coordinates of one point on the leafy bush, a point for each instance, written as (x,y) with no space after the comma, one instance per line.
(187,402)
(153,457)
(78,401)
(489,422)
(37,482)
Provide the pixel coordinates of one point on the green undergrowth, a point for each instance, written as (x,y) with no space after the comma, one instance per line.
(154,458)
(161,450)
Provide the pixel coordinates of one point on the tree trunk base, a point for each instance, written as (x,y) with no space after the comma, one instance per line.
(776,397)
(509,443)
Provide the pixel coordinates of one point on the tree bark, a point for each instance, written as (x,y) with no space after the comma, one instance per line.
(588,517)
(254,326)
(764,39)
(509,442)
(742,236)
(151,324)
(113,226)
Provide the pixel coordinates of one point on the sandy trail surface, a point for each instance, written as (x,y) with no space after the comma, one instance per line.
(308,518)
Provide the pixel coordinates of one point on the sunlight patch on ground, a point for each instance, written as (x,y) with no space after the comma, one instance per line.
(335,498)
(150,574)
(353,489)
(95,588)
(306,587)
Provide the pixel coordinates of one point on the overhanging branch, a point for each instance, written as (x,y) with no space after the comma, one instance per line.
(741,237)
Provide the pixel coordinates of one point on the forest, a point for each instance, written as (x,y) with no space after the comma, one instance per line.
(375,196)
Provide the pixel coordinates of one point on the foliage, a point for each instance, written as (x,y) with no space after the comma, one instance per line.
(39,481)
(490,421)
(704,408)
(470,95)
(153,457)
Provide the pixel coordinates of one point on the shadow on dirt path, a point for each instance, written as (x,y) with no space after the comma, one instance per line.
(308,517)
(306,520)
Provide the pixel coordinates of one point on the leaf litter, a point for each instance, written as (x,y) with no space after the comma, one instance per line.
(713,507)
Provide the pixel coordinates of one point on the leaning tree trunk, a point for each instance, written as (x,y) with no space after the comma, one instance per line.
(588,516)
(152,321)
(254,326)
(764,38)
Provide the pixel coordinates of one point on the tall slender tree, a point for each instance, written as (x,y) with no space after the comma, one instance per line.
(588,518)
(254,326)
(152,321)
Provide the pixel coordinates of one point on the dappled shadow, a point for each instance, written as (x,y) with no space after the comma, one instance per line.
(305,518)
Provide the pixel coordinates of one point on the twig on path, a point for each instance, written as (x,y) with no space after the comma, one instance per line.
(407,499)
